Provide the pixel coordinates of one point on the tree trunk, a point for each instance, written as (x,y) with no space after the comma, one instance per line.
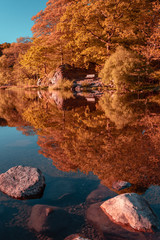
(62,60)
(108,48)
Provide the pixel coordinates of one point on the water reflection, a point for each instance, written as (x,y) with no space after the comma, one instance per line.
(122,109)
(117,140)
(116,136)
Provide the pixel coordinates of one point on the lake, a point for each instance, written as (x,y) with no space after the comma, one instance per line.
(83,143)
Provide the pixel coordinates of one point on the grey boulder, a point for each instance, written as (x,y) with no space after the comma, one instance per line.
(22,182)
(130,209)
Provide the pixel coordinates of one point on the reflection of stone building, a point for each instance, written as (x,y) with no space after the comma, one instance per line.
(70,102)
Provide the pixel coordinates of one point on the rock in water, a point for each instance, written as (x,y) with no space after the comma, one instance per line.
(75,237)
(48,219)
(22,182)
(132,210)
(100,194)
(152,195)
(120,185)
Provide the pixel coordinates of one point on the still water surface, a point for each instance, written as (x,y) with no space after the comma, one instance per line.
(81,143)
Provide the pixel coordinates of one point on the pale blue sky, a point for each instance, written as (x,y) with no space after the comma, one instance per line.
(15,18)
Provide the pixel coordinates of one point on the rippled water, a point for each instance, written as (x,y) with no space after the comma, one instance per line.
(82,143)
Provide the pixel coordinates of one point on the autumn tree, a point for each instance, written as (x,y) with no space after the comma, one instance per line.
(35,60)
(9,61)
(23,40)
(79,32)
(92,29)
(45,27)
(152,36)
(3,46)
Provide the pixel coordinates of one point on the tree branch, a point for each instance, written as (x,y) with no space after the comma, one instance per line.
(95,35)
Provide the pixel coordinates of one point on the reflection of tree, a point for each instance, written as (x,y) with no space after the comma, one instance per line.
(87,140)
(12,105)
(121,108)
(128,155)
(27,130)
(90,143)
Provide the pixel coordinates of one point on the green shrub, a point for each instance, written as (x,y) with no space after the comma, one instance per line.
(123,69)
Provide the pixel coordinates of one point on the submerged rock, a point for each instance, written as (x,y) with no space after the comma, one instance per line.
(100,194)
(80,238)
(48,219)
(152,195)
(22,182)
(120,185)
(130,209)
(75,237)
